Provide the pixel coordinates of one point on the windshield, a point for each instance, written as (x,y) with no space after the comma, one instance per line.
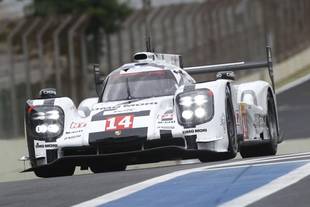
(139,85)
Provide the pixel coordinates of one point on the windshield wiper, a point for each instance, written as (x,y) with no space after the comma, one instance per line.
(128,90)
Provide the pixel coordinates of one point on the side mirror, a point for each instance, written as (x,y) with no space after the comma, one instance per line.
(98,81)
(47,93)
(228,75)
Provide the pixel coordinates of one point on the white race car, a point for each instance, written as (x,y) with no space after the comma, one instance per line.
(149,111)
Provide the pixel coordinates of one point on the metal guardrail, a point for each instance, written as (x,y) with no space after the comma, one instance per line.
(55,51)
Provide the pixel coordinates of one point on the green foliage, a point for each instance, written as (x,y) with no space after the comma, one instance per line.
(106,14)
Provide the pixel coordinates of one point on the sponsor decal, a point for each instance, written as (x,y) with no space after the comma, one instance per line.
(109,108)
(193,131)
(119,122)
(165,127)
(238,118)
(74,132)
(140,104)
(223,122)
(46,145)
(118,133)
(122,111)
(75,125)
(166,122)
(72,137)
(103,116)
(259,121)
(167,117)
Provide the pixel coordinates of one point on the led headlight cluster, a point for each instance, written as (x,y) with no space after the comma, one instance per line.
(46,122)
(195,107)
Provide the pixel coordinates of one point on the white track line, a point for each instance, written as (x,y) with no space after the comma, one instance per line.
(295,155)
(270,188)
(148,183)
(259,164)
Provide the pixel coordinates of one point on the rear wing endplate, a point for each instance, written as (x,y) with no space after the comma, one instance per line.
(237,66)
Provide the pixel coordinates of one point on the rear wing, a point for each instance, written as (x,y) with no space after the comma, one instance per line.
(237,66)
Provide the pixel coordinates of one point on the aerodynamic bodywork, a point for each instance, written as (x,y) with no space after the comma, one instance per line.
(153,110)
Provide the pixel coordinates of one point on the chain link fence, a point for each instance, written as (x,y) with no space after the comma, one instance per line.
(54,51)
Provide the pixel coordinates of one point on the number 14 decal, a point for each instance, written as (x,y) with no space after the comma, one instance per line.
(119,122)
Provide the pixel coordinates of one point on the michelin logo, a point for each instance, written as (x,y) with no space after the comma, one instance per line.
(193,131)
(46,145)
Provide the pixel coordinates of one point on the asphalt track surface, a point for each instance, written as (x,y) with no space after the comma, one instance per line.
(294,111)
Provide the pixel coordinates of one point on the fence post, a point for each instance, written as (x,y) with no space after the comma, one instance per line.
(165,39)
(185,32)
(173,29)
(72,66)
(150,21)
(57,51)
(131,23)
(14,105)
(39,37)
(26,55)
(84,61)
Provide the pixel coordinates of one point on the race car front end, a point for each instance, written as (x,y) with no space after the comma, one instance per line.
(119,131)
(147,112)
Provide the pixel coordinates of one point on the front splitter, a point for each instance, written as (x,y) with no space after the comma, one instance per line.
(134,157)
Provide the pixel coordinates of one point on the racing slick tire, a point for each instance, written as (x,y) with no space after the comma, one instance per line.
(271,147)
(107,168)
(233,145)
(55,171)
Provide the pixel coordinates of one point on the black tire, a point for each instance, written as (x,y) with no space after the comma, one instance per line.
(271,147)
(233,145)
(56,171)
(107,168)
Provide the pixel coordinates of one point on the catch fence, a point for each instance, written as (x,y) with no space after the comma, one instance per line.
(55,51)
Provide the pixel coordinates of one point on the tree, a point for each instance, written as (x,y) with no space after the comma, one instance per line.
(106,16)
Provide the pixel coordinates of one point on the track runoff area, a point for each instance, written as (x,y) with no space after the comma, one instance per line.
(281,180)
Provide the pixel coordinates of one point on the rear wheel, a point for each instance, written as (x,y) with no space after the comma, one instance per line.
(55,171)
(107,168)
(231,133)
(269,148)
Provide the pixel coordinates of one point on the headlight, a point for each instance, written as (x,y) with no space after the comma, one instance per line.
(53,115)
(45,122)
(200,113)
(195,107)
(200,99)
(186,101)
(187,114)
